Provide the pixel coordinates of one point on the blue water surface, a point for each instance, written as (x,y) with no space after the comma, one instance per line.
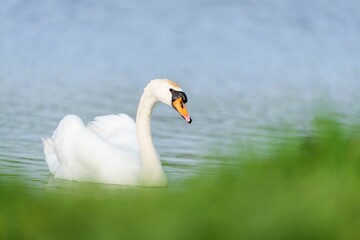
(246,66)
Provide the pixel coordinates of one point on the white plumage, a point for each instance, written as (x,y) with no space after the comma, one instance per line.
(112,149)
(105,151)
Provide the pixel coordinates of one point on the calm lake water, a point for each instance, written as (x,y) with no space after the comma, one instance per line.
(250,70)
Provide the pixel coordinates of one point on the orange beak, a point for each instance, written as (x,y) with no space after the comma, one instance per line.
(179,106)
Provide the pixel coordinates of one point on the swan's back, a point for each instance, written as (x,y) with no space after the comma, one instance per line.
(105,151)
(118,130)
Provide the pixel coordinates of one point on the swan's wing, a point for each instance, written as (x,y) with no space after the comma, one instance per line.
(82,154)
(50,149)
(118,130)
(50,155)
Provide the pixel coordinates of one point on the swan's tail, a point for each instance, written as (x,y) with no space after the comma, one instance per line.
(50,155)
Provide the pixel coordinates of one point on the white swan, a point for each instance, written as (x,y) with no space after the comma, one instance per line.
(112,149)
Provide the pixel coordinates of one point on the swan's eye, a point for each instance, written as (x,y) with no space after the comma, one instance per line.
(178,94)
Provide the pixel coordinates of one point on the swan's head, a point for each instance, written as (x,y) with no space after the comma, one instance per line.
(170,93)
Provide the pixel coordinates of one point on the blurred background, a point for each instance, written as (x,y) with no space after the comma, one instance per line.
(246,66)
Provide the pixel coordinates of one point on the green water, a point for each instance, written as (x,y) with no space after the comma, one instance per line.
(305,189)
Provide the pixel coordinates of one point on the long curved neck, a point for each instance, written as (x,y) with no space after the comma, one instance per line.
(152,173)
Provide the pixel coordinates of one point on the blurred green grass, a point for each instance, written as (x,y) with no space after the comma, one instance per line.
(305,188)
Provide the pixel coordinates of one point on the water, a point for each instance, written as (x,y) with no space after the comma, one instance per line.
(246,67)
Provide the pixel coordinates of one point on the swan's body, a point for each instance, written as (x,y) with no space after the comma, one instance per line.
(113,149)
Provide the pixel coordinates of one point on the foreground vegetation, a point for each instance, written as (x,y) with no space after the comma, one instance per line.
(305,188)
